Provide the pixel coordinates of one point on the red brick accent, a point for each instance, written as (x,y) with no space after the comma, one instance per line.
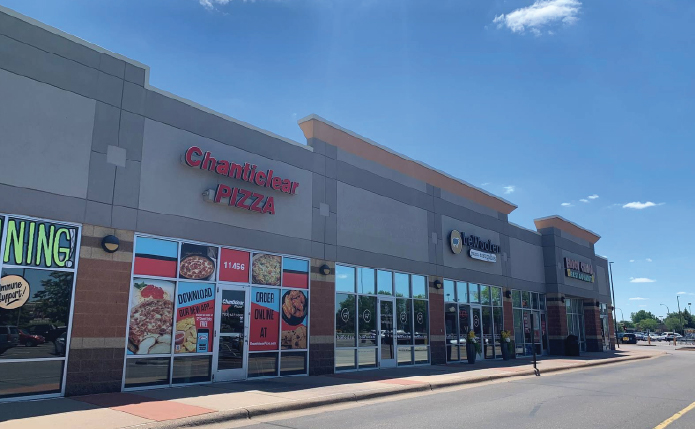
(94,371)
(557,325)
(101,299)
(508,314)
(322,308)
(592,326)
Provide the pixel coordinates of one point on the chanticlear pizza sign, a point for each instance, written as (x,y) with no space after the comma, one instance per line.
(482,250)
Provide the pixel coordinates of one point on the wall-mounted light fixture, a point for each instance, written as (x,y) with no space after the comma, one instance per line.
(438,284)
(110,243)
(325,269)
(562,299)
(508,293)
(598,304)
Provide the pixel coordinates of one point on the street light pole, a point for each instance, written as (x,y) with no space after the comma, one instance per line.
(615,318)
(622,316)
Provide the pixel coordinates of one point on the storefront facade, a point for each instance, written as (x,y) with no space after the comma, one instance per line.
(203,249)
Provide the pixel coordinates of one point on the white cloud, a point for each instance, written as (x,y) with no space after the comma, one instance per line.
(509,189)
(485,184)
(566,205)
(639,205)
(540,14)
(641,280)
(681,293)
(584,201)
(637,298)
(593,197)
(210,4)
(649,259)
(632,260)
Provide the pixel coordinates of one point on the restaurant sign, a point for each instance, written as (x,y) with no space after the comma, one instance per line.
(579,270)
(195,157)
(480,249)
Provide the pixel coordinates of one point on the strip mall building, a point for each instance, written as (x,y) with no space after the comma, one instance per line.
(148,241)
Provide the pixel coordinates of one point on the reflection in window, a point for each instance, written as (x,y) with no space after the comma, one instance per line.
(43,318)
(367,321)
(263,365)
(462,291)
(384,280)
(420,318)
(516,299)
(344,360)
(449,291)
(402,284)
(147,372)
(484,295)
(404,322)
(344,279)
(367,358)
(345,320)
(473,293)
(192,369)
(496,296)
(419,286)
(30,378)
(365,281)
(293,363)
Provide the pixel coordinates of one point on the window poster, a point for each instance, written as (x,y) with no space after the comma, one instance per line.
(295,273)
(195,313)
(295,317)
(234,266)
(41,244)
(151,316)
(265,319)
(197,262)
(266,269)
(154,257)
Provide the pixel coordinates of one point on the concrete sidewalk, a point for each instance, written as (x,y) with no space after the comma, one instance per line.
(212,403)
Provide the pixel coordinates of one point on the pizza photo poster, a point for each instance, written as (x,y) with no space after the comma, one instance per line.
(265,319)
(295,318)
(151,316)
(195,315)
(197,262)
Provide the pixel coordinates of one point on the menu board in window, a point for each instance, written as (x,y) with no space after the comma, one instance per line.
(195,312)
(234,266)
(151,316)
(265,319)
(295,317)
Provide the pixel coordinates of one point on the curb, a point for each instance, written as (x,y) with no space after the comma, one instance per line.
(265,410)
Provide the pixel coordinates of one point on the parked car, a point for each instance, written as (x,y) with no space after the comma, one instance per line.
(641,336)
(50,332)
(671,335)
(9,337)
(30,340)
(59,344)
(628,338)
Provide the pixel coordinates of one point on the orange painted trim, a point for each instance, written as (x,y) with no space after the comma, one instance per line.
(314,128)
(567,226)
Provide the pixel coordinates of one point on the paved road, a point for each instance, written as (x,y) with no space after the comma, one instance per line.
(636,395)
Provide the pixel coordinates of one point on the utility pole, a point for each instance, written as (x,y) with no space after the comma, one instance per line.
(678,298)
(615,318)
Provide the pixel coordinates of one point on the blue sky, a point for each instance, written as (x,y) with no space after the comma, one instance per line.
(542,103)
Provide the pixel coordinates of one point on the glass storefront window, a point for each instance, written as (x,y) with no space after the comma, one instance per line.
(263,365)
(419,286)
(192,369)
(345,360)
(420,318)
(367,321)
(496,296)
(473,293)
(345,320)
(498,326)
(484,295)
(462,289)
(451,322)
(449,291)
(147,372)
(404,321)
(525,300)
(293,363)
(402,282)
(367,358)
(541,298)
(516,299)
(344,279)
(527,306)
(534,300)
(366,282)
(488,338)
(384,281)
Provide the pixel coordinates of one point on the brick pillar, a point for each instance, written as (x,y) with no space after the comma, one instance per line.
(97,343)
(437,333)
(611,328)
(508,312)
(557,324)
(322,319)
(592,326)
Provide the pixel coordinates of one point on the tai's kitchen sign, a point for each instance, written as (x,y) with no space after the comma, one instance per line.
(478,248)
(242,198)
(579,270)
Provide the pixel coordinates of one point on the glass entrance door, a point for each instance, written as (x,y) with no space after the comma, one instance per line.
(477,325)
(231,341)
(387,333)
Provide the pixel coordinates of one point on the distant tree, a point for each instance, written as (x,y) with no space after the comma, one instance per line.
(641,315)
(673,322)
(648,324)
(626,324)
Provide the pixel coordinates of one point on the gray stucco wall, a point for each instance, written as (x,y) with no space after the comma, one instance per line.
(106,150)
